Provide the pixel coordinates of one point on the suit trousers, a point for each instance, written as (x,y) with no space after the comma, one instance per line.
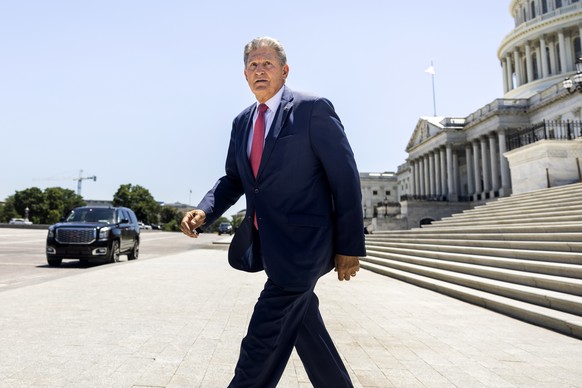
(284,318)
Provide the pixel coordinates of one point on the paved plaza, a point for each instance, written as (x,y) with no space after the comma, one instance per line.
(177,321)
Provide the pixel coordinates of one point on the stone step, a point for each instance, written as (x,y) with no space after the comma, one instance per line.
(519,255)
(564,302)
(534,200)
(507,220)
(518,211)
(533,258)
(549,318)
(416,263)
(462,234)
(548,242)
(547,193)
(516,226)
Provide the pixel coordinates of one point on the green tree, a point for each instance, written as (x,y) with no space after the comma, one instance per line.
(138,199)
(8,210)
(32,199)
(43,207)
(171,218)
(60,202)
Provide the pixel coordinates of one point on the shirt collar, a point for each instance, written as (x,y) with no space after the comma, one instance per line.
(274,102)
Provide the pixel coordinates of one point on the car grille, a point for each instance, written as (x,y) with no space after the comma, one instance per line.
(76,235)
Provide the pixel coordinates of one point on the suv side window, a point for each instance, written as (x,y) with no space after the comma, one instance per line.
(122,214)
(132,218)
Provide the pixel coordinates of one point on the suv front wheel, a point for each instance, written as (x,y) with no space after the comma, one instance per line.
(114,252)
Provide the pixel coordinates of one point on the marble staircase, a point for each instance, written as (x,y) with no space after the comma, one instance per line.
(519,255)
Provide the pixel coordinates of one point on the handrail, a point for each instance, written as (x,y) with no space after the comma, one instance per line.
(547,129)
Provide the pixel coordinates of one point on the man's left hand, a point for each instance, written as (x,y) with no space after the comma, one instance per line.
(346,266)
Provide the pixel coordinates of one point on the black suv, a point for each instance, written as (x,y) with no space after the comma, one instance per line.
(94,233)
(224,227)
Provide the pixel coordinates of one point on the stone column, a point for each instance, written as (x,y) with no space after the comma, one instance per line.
(477,168)
(450,181)
(431,177)
(504,75)
(437,173)
(563,58)
(504,165)
(569,54)
(518,74)
(412,178)
(426,176)
(444,171)
(538,64)
(454,194)
(553,66)
(485,164)
(528,64)
(494,165)
(508,74)
(544,61)
(418,164)
(470,172)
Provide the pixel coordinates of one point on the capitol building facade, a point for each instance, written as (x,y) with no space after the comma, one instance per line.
(528,139)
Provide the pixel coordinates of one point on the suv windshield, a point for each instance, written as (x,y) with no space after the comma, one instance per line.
(92,215)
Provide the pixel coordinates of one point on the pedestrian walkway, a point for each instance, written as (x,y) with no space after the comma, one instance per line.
(177,321)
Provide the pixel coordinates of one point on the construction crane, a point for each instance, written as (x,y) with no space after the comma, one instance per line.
(81,178)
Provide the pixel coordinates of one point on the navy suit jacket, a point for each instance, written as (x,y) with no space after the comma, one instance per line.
(306,195)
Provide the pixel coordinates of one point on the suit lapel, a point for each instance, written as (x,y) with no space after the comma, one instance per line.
(278,123)
(244,141)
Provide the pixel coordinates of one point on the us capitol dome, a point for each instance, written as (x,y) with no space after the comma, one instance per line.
(544,46)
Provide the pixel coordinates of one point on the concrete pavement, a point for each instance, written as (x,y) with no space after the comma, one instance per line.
(177,321)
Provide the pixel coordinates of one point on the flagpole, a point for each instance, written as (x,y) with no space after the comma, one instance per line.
(433,92)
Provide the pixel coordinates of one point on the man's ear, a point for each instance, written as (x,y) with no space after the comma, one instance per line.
(285,71)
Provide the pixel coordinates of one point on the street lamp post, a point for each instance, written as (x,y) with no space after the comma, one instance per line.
(574,83)
(385,206)
(365,211)
(26,213)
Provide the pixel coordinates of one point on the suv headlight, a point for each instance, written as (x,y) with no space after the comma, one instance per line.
(104,233)
(51,232)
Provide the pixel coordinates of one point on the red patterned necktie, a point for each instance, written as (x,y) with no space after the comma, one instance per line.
(258,139)
(257,145)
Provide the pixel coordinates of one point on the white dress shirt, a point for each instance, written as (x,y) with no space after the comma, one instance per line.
(273,104)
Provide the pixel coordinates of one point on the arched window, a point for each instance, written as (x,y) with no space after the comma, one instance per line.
(558,4)
(534,62)
(523,15)
(533,9)
(549,61)
(544,6)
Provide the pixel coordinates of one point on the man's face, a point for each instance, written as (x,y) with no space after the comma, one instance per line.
(264,73)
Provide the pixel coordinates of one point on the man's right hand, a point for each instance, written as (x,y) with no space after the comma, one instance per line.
(192,220)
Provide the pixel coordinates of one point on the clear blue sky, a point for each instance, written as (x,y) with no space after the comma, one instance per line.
(144,92)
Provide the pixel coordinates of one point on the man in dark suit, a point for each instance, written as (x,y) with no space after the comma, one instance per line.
(290,157)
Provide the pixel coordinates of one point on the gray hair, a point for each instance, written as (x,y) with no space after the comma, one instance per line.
(266,42)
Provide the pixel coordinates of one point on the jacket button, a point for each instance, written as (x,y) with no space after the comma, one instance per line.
(256,191)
